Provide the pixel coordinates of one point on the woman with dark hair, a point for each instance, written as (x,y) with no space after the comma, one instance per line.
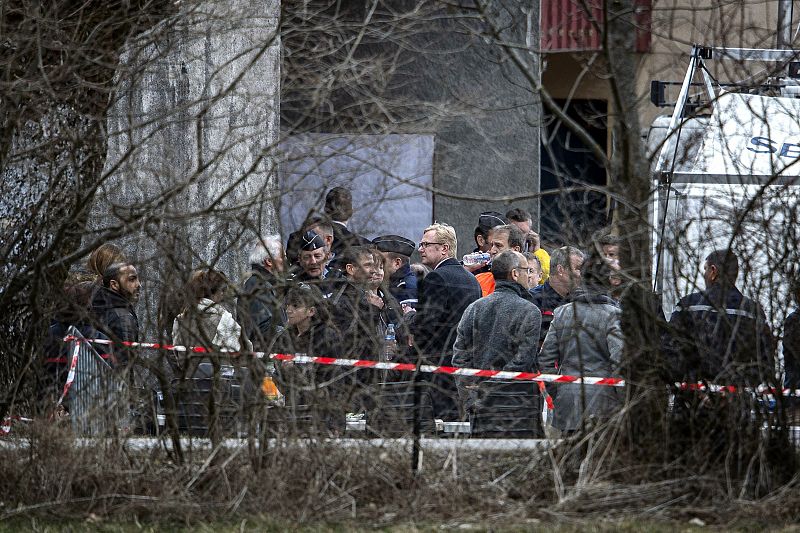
(585,339)
(325,389)
(308,324)
(205,322)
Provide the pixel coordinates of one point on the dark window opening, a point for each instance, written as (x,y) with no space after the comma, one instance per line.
(572,216)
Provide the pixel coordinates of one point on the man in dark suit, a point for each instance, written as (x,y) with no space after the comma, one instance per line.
(443,296)
(339,209)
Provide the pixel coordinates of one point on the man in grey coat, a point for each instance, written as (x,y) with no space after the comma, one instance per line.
(260,303)
(500,331)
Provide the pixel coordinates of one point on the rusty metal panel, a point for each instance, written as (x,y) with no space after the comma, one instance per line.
(577,25)
(643,18)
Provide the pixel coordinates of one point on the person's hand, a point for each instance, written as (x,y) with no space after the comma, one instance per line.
(375,300)
(475,267)
(533,241)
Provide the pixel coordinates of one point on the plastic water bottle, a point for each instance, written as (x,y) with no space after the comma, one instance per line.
(389,343)
(475,258)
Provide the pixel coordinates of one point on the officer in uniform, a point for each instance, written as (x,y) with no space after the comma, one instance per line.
(396,252)
(313,258)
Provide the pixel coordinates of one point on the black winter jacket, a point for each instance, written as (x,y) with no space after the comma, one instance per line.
(117,318)
(444,295)
(358,321)
(719,336)
(791,350)
(546,299)
(260,307)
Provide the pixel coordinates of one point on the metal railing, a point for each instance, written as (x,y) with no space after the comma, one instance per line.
(98,396)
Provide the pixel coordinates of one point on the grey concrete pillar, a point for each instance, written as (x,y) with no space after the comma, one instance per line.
(486,114)
(191,175)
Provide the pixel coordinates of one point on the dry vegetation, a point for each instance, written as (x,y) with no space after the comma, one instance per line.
(49,477)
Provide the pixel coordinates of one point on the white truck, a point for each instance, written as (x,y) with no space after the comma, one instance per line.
(726,173)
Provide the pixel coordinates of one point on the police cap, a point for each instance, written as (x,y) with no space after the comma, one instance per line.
(490,219)
(312,241)
(395,244)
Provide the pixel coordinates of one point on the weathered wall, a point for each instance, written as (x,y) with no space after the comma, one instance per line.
(190,166)
(487,134)
(428,68)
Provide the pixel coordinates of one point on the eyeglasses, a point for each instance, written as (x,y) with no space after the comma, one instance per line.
(424,244)
(529,270)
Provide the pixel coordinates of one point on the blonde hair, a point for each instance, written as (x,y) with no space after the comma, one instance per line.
(445,234)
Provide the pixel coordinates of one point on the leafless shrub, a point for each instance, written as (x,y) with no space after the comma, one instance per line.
(107,135)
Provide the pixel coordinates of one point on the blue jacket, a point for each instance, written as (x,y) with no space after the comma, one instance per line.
(403,284)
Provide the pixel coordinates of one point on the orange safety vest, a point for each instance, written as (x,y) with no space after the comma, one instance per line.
(486,280)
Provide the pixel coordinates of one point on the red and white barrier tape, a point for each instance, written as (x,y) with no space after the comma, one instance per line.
(9,421)
(431,369)
(378,365)
(451,370)
(73,364)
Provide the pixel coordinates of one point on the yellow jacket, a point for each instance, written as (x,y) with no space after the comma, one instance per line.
(544,259)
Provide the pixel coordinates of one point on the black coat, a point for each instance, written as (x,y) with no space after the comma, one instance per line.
(321,386)
(546,299)
(344,238)
(444,295)
(720,336)
(260,307)
(321,340)
(791,349)
(358,321)
(117,318)
(327,285)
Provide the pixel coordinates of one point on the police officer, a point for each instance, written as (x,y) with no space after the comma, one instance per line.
(719,334)
(313,260)
(396,252)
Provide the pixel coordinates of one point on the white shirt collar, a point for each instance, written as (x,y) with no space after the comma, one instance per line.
(440,262)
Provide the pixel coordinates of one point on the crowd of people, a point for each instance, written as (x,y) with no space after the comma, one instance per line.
(509,305)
